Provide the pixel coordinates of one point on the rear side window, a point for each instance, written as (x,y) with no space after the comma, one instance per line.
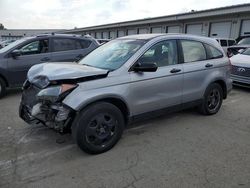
(213,53)
(193,51)
(35,47)
(223,43)
(85,43)
(61,44)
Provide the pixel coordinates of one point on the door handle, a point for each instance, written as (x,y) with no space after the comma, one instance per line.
(209,65)
(45,59)
(174,70)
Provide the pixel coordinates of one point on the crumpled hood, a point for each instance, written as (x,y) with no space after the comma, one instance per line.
(63,70)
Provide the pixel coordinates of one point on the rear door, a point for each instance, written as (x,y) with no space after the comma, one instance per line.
(200,60)
(69,49)
(32,53)
(152,91)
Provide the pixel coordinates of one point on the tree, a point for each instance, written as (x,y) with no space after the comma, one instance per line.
(1,26)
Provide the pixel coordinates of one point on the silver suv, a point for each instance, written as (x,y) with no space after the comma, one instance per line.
(125,79)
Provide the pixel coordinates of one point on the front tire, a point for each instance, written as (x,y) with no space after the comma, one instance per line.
(2,88)
(212,100)
(98,127)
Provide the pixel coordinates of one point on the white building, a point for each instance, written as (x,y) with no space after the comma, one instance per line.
(223,22)
(7,34)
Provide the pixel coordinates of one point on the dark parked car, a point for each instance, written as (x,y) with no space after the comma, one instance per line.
(243,42)
(18,57)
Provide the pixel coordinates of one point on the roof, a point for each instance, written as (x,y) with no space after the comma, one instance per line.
(142,36)
(234,9)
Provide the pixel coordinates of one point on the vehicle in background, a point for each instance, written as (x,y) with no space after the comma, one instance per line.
(225,43)
(6,43)
(241,68)
(19,56)
(242,43)
(123,80)
(103,41)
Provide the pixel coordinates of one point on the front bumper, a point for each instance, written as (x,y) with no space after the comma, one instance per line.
(53,115)
(241,80)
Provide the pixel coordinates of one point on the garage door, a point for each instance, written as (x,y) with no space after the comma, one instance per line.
(143,30)
(220,29)
(121,33)
(174,29)
(245,27)
(112,34)
(156,30)
(132,31)
(98,35)
(194,29)
(105,35)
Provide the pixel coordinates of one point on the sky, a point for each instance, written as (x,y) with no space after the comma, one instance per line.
(68,14)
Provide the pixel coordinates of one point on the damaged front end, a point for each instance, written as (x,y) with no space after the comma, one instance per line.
(42,103)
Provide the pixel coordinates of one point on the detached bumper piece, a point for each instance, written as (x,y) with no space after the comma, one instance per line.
(53,115)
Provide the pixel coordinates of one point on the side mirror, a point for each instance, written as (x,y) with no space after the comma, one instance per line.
(145,67)
(15,53)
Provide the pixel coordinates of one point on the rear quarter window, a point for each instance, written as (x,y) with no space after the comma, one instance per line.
(85,43)
(212,52)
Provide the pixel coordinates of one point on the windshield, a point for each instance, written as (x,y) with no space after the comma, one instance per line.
(246,52)
(13,44)
(244,41)
(113,54)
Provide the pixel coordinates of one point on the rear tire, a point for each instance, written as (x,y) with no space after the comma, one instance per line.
(2,88)
(98,127)
(212,100)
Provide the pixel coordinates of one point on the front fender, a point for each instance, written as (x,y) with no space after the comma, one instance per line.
(79,98)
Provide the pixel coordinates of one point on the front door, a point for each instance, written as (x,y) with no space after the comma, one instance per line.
(33,53)
(152,91)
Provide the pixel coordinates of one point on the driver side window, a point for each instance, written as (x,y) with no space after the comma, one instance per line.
(35,47)
(163,54)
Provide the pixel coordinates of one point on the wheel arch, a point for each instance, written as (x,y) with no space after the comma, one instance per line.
(223,85)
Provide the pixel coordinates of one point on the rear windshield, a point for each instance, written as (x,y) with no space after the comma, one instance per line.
(244,41)
(246,52)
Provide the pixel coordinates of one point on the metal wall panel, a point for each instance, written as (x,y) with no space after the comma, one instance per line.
(143,30)
(245,27)
(156,30)
(173,29)
(105,35)
(98,35)
(132,31)
(112,35)
(121,33)
(194,29)
(220,29)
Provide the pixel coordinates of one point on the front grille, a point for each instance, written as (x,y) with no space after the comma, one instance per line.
(29,95)
(240,71)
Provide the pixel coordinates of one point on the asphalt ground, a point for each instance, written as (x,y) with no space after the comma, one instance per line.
(183,149)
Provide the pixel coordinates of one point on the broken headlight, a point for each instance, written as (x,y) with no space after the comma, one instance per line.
(55,93)
(41,81)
